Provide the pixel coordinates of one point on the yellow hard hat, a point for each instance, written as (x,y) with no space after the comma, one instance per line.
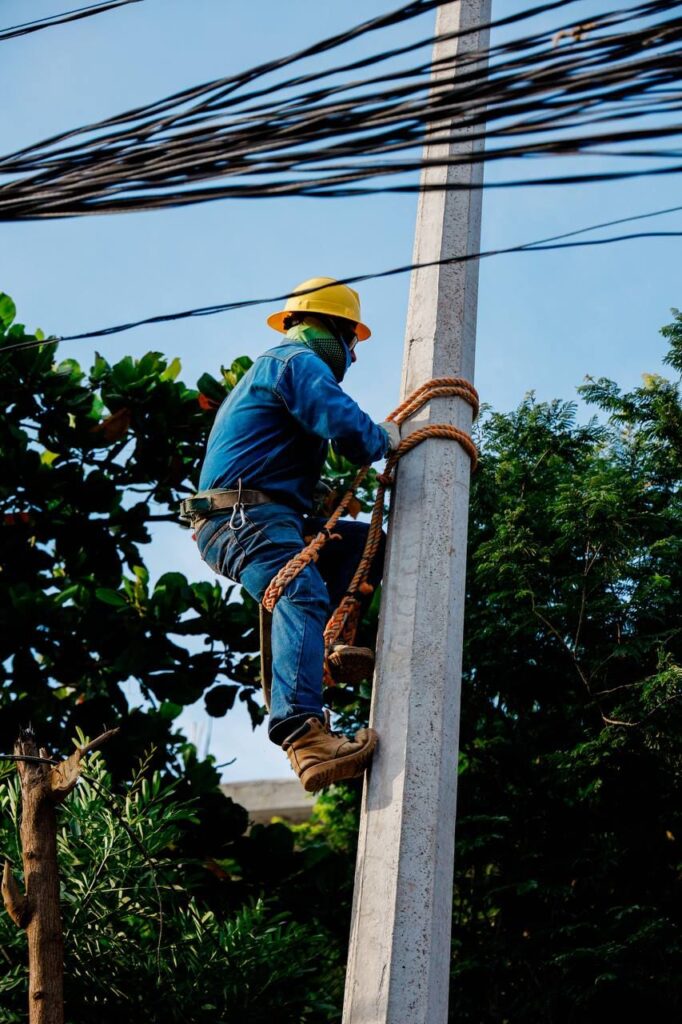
(328,297)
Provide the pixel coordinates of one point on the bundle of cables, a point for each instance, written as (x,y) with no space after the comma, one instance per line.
(606,86)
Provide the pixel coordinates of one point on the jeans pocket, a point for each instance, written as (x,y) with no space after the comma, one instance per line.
(220,549)
(272,524)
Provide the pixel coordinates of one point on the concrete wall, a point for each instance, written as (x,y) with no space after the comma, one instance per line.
(272,798)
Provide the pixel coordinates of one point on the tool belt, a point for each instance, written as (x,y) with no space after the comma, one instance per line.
(221,499)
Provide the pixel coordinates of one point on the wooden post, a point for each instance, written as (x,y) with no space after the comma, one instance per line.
(43,786)
(399,954)
(38,911)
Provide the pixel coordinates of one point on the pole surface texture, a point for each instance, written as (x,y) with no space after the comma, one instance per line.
(399,954)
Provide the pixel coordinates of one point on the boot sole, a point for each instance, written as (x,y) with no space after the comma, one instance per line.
(347,667)
(348,767)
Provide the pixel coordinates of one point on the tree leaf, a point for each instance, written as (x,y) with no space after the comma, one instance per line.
(111,597)
(172,370)
(220,699)
(8,311)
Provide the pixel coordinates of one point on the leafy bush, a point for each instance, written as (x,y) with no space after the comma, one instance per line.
(567,882)
(138,944)
(89,462)
(567,879)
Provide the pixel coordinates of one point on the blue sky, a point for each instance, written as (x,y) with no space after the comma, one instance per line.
(545,320)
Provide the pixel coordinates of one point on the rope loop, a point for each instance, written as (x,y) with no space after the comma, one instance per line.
(344,621)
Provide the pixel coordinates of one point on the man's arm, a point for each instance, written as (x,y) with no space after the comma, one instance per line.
(309,391)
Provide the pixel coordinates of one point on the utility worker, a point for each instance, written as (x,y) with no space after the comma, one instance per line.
(263,462)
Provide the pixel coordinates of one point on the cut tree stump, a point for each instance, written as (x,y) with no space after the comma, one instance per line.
(44,784)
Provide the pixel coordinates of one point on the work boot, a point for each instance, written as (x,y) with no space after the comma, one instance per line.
(320,756)
(351,664)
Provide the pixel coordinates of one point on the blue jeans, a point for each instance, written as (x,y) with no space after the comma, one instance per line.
(251,552)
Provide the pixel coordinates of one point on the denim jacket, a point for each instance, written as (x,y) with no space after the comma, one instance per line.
(272,429)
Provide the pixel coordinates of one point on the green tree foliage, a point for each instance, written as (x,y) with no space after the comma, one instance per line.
(568,890)
(139,945)
(88,463)
(567,899)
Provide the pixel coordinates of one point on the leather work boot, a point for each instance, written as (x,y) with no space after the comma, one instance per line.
(320,756)
(351,664)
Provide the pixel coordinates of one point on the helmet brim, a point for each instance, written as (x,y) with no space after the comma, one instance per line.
(276,321)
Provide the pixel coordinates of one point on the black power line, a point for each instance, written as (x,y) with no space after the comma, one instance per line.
(61,19)
(550,243)
(614,84)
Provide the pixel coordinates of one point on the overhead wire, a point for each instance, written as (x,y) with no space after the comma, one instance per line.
(550,243)
(226,86)
(222,87)
(604,75)
(77,14)
(538,99)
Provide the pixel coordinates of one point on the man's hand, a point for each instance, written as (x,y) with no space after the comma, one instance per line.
(392,430)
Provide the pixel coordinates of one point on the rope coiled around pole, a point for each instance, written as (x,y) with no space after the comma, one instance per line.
(343,623)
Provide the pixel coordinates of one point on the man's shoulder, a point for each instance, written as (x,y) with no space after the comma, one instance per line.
(285,352)
(293,362)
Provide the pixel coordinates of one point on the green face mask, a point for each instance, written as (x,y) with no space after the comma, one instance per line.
(320,340)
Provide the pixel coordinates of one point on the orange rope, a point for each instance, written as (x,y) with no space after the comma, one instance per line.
(344,621)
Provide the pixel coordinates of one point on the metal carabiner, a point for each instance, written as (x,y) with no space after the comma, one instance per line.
(238,508)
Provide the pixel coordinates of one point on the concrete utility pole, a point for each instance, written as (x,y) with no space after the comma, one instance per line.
(399,956)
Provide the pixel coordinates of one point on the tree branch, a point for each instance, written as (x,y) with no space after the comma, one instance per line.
(571,653)
(649,714)
(64,776)
(16,904)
